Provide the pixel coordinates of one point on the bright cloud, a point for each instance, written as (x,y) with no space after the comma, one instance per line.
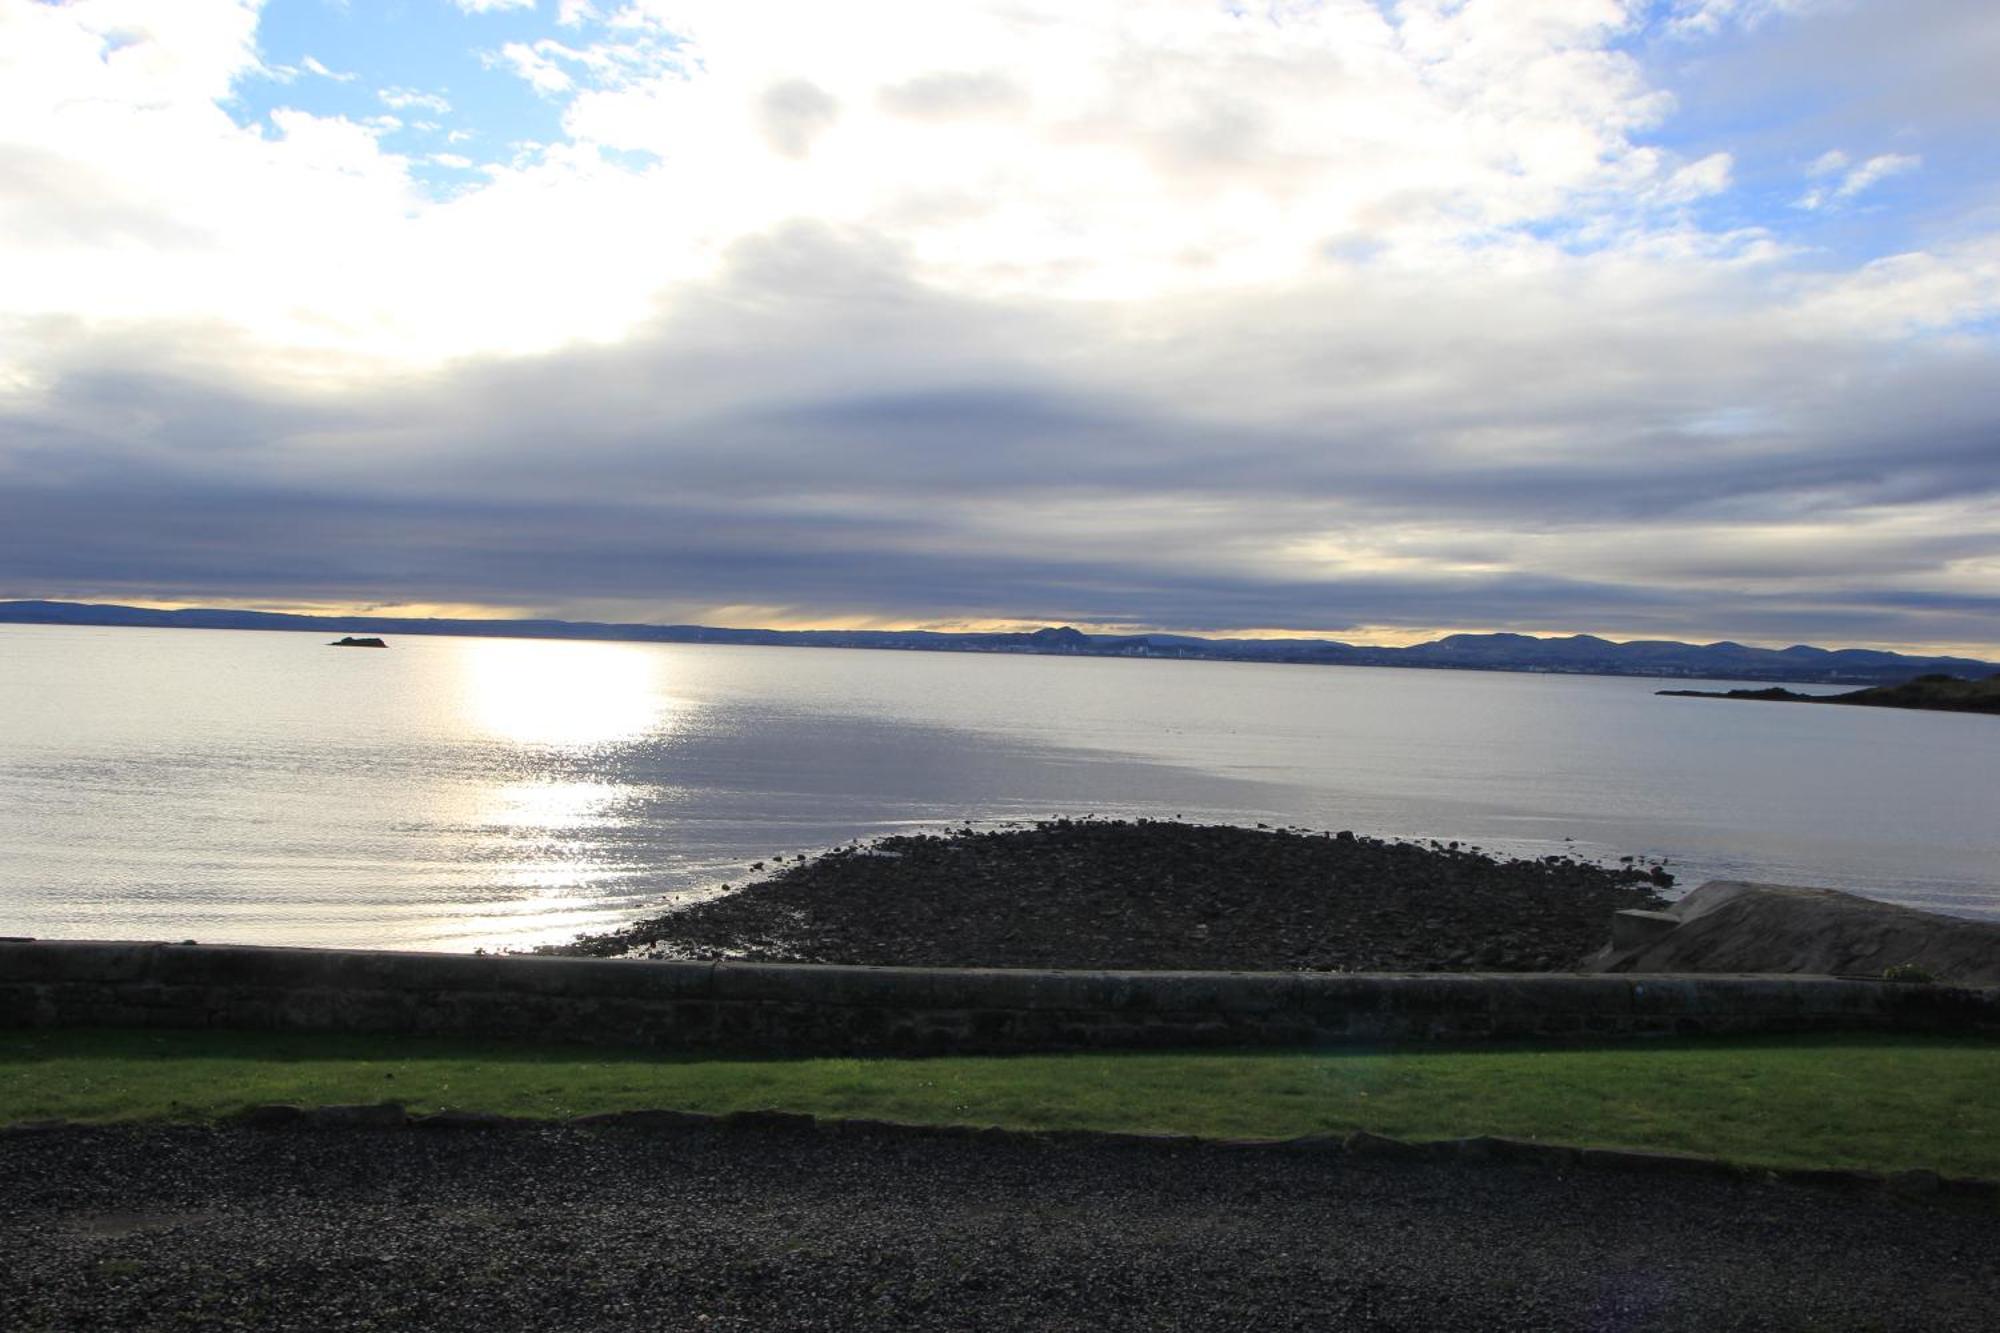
(1297,315)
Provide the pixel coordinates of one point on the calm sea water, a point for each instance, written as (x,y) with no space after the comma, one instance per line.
(457,793)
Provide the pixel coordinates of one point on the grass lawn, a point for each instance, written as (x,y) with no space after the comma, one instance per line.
(1877,1102)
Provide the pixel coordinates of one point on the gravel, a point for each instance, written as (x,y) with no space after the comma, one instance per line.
(1157,894)
(770,1227)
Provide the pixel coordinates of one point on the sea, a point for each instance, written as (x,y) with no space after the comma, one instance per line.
(472,793)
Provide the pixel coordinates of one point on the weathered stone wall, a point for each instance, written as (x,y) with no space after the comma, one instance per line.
(812,1009)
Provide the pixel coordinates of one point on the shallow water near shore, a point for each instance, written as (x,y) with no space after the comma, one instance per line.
(461,793)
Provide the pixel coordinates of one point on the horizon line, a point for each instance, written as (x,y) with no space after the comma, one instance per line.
(429,612)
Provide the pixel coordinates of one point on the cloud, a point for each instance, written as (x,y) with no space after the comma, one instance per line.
(951,94)
(403,99)
(1853,180)
(492,6)
(539,64)
(1338,316)
(794,112)
(1698,180)
(1707,18)
(1875,169)
(313,66)
(1835,71)
(1954,287)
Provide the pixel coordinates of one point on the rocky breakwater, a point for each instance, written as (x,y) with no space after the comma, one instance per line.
(1151,894)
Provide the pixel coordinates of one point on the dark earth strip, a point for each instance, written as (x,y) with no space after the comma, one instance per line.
(566,1228)
(1157,894)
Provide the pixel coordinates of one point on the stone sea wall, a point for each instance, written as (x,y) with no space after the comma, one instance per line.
(825,1009)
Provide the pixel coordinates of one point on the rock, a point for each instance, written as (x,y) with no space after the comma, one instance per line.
(1636,927)
(863,1126)
(1669,1163)
(1739,926)
(648,1120)
(1486,1147)
(1831,1178)
(274,1115)
(475,1120)
(382,1115)
(790,1121)
(1146,1138)
(1363,1144)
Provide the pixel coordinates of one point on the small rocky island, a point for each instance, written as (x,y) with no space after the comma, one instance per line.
(357,643)
(1943,693)
(1156,894)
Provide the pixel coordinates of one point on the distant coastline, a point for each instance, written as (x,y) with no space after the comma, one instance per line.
(1581,654)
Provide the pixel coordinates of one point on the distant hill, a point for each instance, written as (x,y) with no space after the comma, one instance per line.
(1581,654)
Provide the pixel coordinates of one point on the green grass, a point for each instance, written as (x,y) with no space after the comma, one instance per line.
(1877,1102)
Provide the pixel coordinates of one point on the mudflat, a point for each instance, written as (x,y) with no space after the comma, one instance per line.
(755,1227)
(1157,894)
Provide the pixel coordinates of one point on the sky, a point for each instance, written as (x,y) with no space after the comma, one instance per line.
(1375,321)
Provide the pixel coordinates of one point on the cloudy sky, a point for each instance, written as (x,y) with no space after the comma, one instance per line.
(1669,319)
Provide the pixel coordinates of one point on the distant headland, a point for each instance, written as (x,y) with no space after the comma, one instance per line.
(1581,654)
(1939,692)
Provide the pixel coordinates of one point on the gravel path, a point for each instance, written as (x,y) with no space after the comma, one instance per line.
(1157,894)
(760,1227)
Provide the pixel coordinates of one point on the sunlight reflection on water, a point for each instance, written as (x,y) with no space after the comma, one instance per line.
(565,695)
